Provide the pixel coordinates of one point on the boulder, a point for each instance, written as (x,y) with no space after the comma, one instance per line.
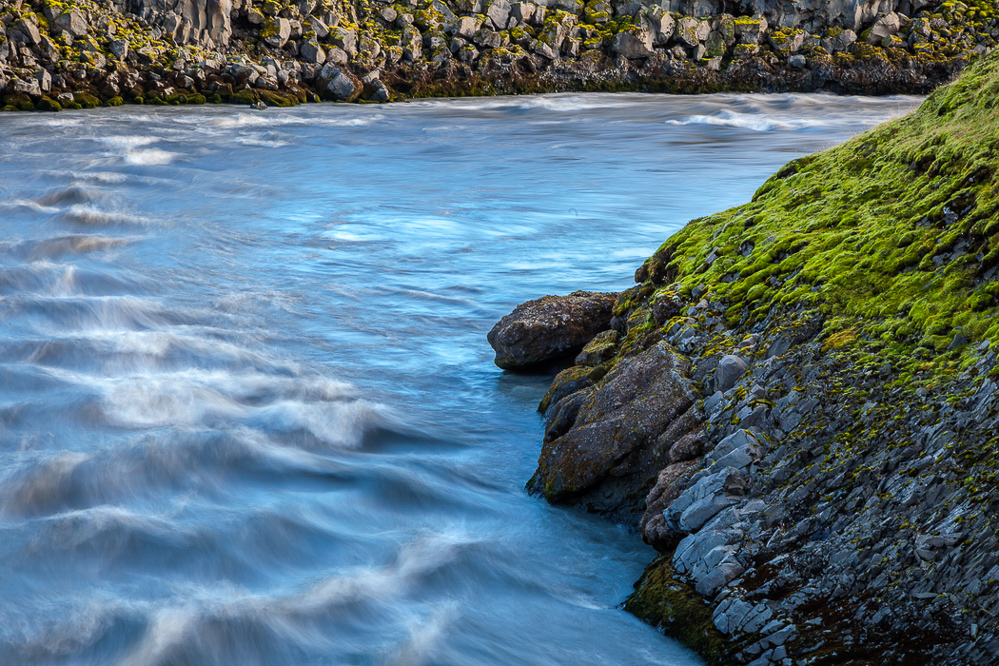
(609,432)
(886,26)
(549,328)
(840,40)
(338,84)
(662,24)
(671,481)
(690,32)
(522,11)
(601,348)
(71,22)
(751,30)
(312,52)
(345,39)
(465,27)
(277,32)
(498,12)
(44,80)
(24,31)
(633,43)
(119,47)
(29,87)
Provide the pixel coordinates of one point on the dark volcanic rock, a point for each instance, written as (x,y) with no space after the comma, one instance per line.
(549,328)
(614,433)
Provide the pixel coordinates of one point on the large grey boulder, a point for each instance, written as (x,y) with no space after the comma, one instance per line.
(498,12)
(29,87)
(523,11)
(278,31)
(634,43)
(690,32)
(549,328)
(24,31)
(312,52)
(885,26)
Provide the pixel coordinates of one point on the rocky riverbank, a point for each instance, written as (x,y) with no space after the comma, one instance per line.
(796,405)
(84,53)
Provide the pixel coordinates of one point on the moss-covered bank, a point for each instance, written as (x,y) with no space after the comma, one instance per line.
(830,496)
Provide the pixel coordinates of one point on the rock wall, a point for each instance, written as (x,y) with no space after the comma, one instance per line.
(797,406)
(279,52)
(205,23)
(810,15)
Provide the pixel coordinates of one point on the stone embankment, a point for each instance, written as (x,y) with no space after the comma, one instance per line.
(797,406)
(83,53)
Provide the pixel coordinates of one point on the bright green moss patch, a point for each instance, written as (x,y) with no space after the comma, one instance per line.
(893,237)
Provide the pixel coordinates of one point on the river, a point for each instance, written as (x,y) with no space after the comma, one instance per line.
(247,410)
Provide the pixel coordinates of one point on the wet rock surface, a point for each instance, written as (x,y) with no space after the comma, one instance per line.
(250,52)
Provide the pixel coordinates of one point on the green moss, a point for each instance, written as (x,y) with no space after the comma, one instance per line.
(666,602)
(277,98)
(888,237)
(48,104)
(86,100)
(246,96)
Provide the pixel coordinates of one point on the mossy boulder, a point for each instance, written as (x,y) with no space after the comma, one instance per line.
(86,100)
(550,328)
(48,104)
(246,96)
(277,98)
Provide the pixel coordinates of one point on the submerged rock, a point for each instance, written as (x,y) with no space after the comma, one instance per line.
(549,328)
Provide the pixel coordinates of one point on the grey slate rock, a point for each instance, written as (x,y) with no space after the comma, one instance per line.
(728,372)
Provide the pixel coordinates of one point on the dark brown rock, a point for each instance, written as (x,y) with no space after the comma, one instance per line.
(614,433)
(549,328)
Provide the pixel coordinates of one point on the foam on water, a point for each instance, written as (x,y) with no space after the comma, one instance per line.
(746,121)
(167,627)
(93,216)
(256,119)
(133,151)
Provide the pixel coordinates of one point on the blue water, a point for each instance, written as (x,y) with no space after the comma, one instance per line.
(247,410)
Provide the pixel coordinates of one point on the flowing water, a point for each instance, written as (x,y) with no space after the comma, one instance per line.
(247,410)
